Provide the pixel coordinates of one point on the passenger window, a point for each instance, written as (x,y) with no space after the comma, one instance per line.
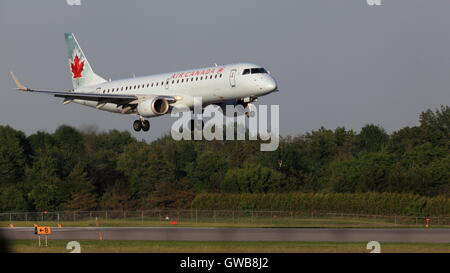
(246,71)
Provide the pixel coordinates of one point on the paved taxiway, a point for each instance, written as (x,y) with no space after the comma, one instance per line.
(238,234)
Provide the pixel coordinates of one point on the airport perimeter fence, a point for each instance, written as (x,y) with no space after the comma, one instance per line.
(217,217)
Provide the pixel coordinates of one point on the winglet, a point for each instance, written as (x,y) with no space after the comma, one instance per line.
(18,84)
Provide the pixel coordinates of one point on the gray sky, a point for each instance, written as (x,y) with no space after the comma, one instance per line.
(337,62)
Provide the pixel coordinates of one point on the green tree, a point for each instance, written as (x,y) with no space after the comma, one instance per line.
(13,156)
(436,126)
(252,179)
(369,172)
(12,199)
(45,187)
(117,197)
(207,172)
(82,201)
(169,195)
(372,138)
(404,140)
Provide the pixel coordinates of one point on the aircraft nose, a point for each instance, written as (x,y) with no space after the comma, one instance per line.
(271,85)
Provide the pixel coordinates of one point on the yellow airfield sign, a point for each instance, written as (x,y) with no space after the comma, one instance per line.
(42,230)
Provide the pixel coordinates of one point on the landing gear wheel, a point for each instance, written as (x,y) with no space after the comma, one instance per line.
(250,114)
(137,125)
(145,125)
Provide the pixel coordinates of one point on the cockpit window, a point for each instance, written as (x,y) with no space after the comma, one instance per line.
(254,71)
(258,71)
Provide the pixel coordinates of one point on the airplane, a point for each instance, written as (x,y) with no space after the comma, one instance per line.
(157,95)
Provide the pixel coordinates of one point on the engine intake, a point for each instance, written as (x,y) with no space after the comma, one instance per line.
(153,107)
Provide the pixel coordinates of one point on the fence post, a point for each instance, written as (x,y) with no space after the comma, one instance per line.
(57,216)
(106,216)
(196,216)
(233,216)
(26,216)
(10,216)
(142,217)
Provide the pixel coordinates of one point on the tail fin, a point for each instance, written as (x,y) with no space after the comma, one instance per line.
(82,73)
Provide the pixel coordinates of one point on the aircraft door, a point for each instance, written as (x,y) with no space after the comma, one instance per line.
(233,78)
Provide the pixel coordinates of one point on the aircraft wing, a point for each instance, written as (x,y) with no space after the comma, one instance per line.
(101,98)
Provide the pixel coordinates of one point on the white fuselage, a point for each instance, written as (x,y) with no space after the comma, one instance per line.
(213,84)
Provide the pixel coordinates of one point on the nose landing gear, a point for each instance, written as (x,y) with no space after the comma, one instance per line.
(142,124)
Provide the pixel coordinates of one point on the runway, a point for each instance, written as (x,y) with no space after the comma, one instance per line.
(237,234)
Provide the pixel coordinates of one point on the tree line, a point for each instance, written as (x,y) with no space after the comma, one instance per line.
(73,169)
(368,203)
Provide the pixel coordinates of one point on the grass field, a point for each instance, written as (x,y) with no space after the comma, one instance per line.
(329,222)
(59,246)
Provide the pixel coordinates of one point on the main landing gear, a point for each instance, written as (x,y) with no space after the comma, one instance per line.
(141,124)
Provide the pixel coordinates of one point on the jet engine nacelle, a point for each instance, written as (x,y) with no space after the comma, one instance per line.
(153,107)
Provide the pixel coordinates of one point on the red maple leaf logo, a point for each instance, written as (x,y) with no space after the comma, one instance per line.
(77,67)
